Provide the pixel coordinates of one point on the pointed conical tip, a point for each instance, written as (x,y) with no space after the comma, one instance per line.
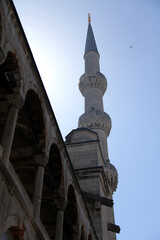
(90,41)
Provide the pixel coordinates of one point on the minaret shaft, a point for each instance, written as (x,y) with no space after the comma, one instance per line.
(87,145)
(91,62)
(93,100)
(93,85)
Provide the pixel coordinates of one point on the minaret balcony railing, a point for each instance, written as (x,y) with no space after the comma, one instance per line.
(92,120)
(97,80)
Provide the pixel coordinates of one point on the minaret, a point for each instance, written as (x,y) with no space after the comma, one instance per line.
(93,85)
(87,146)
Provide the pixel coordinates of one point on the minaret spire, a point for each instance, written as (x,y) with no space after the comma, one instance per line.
(87,145)
(93,85)
(90,40)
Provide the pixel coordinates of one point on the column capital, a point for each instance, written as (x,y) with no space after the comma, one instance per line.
(41,159)
(61,203)
(15,100)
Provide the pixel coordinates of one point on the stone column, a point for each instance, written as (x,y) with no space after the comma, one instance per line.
(41,161)
(15,103)
(61,205)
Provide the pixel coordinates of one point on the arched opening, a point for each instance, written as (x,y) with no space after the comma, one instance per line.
(9,79)
(29,140)
(55,166)
(71,215)
(53,180)
(89,237)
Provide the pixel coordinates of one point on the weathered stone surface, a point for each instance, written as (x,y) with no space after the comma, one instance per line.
(97,177)
(31,184)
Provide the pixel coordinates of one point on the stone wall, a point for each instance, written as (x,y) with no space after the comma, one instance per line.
(40,197)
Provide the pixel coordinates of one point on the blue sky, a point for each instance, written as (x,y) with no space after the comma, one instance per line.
(56,31)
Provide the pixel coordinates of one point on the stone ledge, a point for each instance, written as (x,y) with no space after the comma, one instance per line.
(94,197)
(113,228)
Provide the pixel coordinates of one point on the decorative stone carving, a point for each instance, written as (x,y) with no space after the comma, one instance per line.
(93,121)
(111,175)
(15,100)
(97,81)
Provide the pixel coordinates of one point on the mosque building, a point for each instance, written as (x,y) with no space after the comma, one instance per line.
(51,189)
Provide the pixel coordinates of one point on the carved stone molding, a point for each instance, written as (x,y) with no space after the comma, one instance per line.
(97,81)
(111,175)
(93,121)
(15,100)
(15,80)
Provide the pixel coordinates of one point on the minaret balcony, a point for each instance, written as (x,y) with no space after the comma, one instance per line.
(111,175)
(94,120)
(94,80)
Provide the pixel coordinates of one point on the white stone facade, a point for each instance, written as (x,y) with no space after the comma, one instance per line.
(87,146)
